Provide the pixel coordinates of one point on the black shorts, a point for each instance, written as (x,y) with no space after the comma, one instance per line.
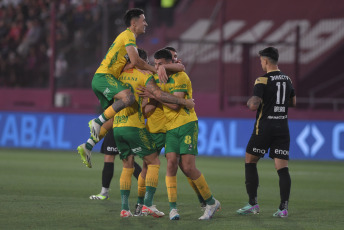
(259,145)
(109,146)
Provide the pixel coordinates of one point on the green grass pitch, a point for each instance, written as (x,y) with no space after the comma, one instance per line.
(50,190)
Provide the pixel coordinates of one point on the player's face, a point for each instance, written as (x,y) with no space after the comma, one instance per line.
(263,62)
(159,62)
(140,24)
(174,56)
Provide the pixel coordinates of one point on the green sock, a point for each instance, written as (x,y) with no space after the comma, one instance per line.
(140,200)
(173,205)
(210,201)
(125,199)
(150,191)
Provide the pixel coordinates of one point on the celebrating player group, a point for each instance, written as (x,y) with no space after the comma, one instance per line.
(149,107)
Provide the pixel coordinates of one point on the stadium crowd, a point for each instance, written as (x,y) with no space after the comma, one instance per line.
(25,30)
(25,41)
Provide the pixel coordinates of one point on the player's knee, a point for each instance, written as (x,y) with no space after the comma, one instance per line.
(188,169)
(172,166)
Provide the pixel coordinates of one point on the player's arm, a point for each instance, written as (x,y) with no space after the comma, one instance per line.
(254,102)
(148,106)
(137,61)
(165,97)
(175,106)
(173,67)
(292,102)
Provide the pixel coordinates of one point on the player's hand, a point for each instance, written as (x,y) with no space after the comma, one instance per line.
(162,74)
(143,92)
(128,66)
(189,103)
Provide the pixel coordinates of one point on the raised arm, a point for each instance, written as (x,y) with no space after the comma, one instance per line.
(137,61)
(173,67)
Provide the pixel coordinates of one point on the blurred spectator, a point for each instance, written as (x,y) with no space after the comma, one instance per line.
(167,12)
(25,30)
(31,37)
(61,66)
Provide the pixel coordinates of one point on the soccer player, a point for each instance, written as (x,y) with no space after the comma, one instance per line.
(272,95)
(109,148)
(132,138)
(155,125)
(181,140)
(112,94)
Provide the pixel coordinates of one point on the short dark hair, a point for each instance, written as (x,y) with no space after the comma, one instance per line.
(163,53)
(170,48)
(271,53)
(132,13)
(143,54)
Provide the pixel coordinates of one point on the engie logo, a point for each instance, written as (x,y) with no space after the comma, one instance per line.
(281,152)
(261,151)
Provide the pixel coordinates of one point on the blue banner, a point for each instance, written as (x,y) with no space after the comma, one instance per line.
(318,140)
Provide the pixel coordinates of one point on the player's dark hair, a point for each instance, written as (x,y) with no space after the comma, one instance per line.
(143,54)
(271,53)
(170,48)
(163,53)
(132,13)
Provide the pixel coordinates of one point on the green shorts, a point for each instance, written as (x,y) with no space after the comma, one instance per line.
(133,141)
(106,86)
(159,139)
(183,140)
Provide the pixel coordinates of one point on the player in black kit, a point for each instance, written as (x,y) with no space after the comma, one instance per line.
(273,94)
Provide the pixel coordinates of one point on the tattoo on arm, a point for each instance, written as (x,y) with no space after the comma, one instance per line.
(163,96)
(254,102)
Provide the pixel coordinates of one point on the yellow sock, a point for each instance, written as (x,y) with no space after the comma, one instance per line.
(109,112)
(171,185)
(125,180)
(152,176)
(193,186)
(141,186)
(102,132)
(203,187)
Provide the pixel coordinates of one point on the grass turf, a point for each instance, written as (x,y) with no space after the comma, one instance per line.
(50,189)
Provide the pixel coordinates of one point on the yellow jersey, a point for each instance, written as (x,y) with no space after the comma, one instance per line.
(116,57)
(156,121)
(132,116)
(178,82)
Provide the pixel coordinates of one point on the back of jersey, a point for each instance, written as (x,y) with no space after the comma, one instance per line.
(275,89)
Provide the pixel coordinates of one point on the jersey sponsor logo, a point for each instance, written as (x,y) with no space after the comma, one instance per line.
(281,152)
(111,149)
(120,119)
(127,78)
(106,91)
(183,86)
(136,150)
(279,77)
(280,109)
(261,151)
(278,117)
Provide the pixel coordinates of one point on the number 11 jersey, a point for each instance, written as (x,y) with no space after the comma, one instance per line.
(275,89)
